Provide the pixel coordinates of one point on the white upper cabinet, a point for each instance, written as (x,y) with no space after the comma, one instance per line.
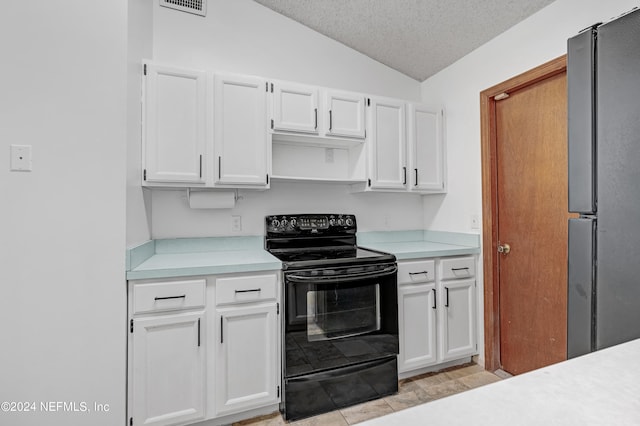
(240,129)
(388,160)
(344,114)
(426,148)
(174,125)
(295,108)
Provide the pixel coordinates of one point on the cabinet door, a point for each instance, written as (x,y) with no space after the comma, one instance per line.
(388,143)
(241,135)
(295,108)
(246,365)
(168,369)
(457,319)
(344,114)
(174,124)
(427,149)
(417,325)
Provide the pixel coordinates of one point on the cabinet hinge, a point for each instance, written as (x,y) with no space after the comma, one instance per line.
(369,182)
(266,86)
(144,71)
(368,101)
(267,178)
(131,326)
(272,123)
(144,174)
(278,392)
(277,308)
(271,87)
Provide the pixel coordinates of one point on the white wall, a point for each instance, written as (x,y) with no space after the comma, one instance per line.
(244,37)
(62,233)
(140,42)
(533,42)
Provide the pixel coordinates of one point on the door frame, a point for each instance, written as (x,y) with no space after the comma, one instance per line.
(490,200)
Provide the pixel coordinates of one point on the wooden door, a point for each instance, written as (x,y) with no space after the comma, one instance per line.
(531,160)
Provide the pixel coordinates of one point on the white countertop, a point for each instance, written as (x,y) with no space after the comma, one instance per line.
(601,388)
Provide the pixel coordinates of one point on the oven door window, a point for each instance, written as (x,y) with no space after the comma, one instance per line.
(335,312)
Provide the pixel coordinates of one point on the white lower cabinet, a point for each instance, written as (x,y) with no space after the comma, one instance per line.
(247,348)
(167,381)
(417,322)
(203,348)
(246,358)
(436,311)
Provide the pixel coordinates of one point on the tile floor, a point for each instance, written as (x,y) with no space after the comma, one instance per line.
(413,391)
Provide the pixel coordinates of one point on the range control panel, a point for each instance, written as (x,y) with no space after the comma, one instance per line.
(311,223)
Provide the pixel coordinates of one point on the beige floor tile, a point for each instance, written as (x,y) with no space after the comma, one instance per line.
(366,411)
(273,419)
(445,389)
(479,379)
(333,418)
(404,400)
(426,382)
(464,371)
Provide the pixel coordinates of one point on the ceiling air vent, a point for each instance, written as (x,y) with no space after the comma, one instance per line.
(197,7)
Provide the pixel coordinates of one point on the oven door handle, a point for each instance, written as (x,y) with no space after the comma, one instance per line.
(344,278)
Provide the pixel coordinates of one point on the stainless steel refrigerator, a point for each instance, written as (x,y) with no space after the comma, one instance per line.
(603,72)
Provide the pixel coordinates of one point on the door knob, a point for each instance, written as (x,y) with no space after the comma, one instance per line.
(504,248)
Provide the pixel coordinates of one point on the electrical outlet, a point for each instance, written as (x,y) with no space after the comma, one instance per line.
(236,223)
(21,158)
(475,221)
(328,155)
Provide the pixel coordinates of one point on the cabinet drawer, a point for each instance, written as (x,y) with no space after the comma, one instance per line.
(458,267)
(168,296)
(416,272)
(246,289)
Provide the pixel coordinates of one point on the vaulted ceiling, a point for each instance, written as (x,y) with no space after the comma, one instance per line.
(415,37)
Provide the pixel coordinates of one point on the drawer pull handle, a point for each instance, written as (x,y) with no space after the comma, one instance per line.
(170,297)
(419,273)
(253,290)
(460,269)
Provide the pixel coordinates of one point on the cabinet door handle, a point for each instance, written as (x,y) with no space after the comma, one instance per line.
(221,329)
(330,120)
(200,166)
(446,303)
(404,179)
(198,332)
(316,115)
(249,291)
(219,167)
(434,298)
(170,297)
(416,170)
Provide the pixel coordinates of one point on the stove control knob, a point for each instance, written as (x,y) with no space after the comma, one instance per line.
(293,222)
(284,223)
(275,223)
(349,221)
(341,222)
(332,222)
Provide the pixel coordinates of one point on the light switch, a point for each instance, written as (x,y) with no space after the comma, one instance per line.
(21,158)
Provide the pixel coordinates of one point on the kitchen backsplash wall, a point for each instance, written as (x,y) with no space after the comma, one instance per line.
(173,218)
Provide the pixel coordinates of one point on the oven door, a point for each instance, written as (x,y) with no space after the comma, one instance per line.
(339,316)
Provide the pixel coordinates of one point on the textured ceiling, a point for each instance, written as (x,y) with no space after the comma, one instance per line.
(416,37)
